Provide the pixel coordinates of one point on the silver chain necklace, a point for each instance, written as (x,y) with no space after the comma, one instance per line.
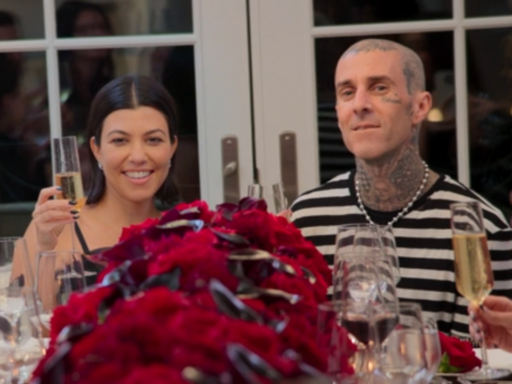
(403,211)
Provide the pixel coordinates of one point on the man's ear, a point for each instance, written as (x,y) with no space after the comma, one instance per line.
(421,107)
(94,148)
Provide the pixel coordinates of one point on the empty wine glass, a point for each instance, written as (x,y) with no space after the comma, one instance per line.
(432,351)
(255,190)
(20,342)
(352,238)
(473,272)
(280,200)
(59,273)
(403,360)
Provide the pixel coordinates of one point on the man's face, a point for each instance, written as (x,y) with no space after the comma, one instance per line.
(376,114)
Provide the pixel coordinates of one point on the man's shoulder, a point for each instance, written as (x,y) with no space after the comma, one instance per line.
(337,187)
(453,190)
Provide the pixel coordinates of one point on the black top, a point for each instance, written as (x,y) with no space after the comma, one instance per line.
(92,269)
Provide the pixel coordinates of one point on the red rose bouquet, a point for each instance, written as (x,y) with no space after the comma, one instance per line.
(458,355)
(197,296)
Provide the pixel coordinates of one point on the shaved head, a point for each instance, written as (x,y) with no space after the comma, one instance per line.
(412,67)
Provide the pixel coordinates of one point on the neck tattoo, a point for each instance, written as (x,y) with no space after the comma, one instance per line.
(404,210)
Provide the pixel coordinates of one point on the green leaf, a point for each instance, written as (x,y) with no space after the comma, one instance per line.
(170,280)
(445,367)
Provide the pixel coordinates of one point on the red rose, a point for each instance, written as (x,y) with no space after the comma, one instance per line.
(254,225)
(204,211)
(137,229)
(150,303)
(81,308)
(460,352)
(199,340)
(154,374)
(292,284)
(103,373)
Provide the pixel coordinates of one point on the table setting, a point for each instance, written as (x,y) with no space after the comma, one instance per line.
(232,295)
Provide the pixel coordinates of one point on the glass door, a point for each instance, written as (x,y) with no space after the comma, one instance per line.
(465,46)
(55,55)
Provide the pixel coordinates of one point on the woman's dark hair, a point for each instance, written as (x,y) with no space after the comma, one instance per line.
(67,16)
(130,92)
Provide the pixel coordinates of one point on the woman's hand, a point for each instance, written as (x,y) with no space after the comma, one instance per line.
(50,216)
(494,319)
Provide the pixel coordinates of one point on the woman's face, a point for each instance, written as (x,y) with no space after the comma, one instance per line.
(135,153)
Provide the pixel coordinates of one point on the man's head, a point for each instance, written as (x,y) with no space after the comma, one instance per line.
(380,98)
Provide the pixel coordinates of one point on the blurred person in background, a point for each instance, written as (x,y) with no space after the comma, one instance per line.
(20,173)
(82,72)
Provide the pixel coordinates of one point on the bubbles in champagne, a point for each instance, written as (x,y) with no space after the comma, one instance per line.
(473,273)
(72,188)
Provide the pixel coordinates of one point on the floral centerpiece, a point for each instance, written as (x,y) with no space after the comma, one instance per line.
(197,296)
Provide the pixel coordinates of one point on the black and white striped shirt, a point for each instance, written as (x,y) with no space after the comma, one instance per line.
(423,239)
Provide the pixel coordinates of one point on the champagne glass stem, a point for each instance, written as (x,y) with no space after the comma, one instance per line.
(72,232)
(483,353)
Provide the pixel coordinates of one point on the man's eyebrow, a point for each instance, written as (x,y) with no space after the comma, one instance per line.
(376,79)
(371,79)
(343,83)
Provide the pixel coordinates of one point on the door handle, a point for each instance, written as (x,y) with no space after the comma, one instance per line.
(288,159)
(230,169)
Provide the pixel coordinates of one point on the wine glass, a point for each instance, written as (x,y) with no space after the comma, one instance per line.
(280,200)
(404,352)
(388,244)
(330,337)
(432,351)
(364,287)
(59,273)
(473,273)
(368,237)
(21,346)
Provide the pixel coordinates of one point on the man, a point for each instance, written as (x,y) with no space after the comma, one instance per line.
(380,104)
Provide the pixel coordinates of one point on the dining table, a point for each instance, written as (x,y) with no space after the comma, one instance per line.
(497,359)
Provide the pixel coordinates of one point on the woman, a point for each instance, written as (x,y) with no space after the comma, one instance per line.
(494,318)
(132,138)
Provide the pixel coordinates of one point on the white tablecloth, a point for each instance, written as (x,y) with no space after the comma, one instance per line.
(498,358)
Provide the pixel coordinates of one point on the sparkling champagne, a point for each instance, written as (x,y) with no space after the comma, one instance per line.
(473,273)
(72,189)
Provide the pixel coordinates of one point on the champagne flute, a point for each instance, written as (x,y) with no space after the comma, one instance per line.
(280,200)
(67,170)
(473,273)
(67,173)
(255,190)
